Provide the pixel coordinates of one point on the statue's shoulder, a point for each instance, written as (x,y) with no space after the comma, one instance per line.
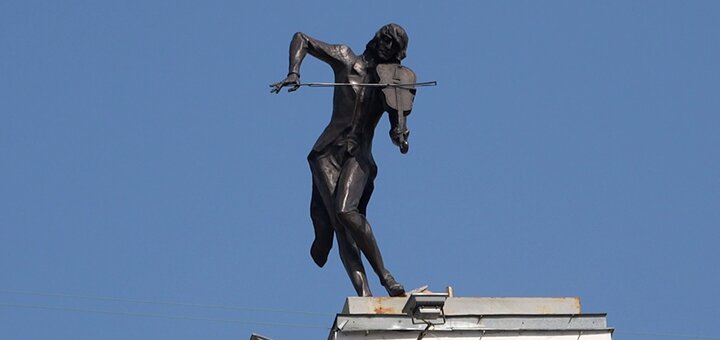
(346,52)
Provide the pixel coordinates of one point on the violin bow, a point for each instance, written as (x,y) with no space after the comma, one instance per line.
(426,83)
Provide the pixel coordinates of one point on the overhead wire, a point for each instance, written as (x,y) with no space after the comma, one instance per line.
(165,302)
(669,335)
(159,316)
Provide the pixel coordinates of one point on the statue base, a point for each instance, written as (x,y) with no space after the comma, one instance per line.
(470,305)
(502,318)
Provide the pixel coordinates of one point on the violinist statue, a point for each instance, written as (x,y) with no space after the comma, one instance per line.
(341,162)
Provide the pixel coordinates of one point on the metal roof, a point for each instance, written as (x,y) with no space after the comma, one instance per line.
(472,318)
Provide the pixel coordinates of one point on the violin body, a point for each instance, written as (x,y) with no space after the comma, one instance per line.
(398,99)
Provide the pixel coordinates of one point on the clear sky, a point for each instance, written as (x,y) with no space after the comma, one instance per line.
(148,177)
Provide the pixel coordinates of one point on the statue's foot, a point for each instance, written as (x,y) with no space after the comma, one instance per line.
(319,253)
(395,290)
(393,287)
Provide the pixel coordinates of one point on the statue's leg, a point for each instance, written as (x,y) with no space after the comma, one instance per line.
(350,257)
(348,193)
(325,170)
(323,227)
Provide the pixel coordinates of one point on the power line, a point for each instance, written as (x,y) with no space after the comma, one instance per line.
(167,303)
(670,335)
(158,316)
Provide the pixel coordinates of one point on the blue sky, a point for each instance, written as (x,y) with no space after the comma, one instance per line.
(148,177)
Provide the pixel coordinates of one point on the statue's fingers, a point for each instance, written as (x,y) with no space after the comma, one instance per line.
(277,87)
(294,88)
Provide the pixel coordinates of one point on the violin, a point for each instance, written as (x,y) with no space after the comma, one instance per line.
(399,95)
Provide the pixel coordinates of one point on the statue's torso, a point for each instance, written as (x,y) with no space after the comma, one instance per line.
(356,109)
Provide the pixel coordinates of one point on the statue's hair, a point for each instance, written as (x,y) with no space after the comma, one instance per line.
(399,37)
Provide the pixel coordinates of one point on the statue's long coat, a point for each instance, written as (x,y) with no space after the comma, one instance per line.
(336,132)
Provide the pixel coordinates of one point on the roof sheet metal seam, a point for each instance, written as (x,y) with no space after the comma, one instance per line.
(387,322)
(487,315)
(496,330)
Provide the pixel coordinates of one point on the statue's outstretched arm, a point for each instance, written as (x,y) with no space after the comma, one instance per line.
(337,56)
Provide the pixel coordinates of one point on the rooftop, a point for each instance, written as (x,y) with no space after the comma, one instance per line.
(527,318)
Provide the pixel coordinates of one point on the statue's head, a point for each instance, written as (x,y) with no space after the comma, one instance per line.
(389,44)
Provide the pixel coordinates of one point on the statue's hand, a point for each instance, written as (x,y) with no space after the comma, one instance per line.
(292,80)
(400,138)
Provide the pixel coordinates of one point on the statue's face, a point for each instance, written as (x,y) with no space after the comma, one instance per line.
(386,47)
(389,44)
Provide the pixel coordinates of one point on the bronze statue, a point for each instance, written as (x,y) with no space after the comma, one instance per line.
(341,162)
